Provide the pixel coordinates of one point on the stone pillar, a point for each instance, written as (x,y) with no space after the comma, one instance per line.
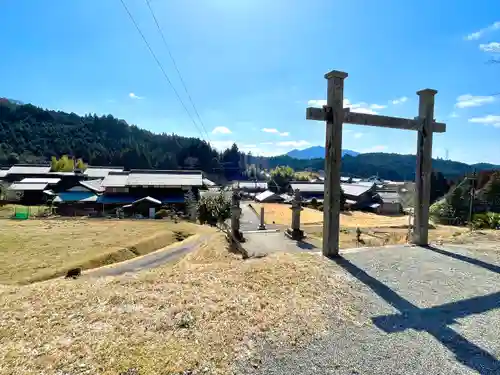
(424,167)
(235,217)
(333,158)
(262,225)
(295,233)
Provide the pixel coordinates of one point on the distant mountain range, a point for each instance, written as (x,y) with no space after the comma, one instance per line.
(316,152)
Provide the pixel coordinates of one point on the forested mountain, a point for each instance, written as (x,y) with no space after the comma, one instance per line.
(315,152)
(32,134)
(388,166)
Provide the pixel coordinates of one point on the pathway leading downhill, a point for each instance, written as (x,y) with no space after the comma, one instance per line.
(425,311)
(151,260)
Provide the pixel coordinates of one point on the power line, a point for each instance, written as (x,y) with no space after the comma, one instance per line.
(160,66)
(175,66)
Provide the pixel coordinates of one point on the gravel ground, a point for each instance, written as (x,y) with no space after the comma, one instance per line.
(423,311)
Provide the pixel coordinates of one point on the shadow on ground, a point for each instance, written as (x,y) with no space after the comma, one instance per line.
(435,320)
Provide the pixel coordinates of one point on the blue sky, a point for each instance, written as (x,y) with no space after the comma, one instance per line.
(253,66)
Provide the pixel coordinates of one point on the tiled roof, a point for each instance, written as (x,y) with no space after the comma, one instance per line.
(94,185)
(148,199)
(250,185)
(100,172)
(115,179)
(75,196)
(304,187)
(356,189)
(29,169)
(267,194)
(127,199)
(208,182)
(48,180)
(3,172)
(164,178)
(18,186)
(389,197)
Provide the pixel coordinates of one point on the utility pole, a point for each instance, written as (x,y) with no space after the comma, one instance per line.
(472,196)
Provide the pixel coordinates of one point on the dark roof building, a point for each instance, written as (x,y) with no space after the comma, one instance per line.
(250,186)
(100,172)
(268,197)
(390,203)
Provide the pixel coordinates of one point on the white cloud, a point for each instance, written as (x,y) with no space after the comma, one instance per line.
(133,96)
(316,103)
(487,120)
(361,107)
(364,110)
(276,131)
(454,115)
(358,135)
(399,100)
(468,100)
(377,106)
(490,47)
(221,130)
(270,130)
(266,143)
(293,143)
(377,148)
(478,34)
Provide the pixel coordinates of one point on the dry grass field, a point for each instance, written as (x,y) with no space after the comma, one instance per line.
(374,237)
(377,230)
(202,313)
(281,214)
(34,250)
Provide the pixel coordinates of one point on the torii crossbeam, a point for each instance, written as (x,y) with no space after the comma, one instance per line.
(335,115)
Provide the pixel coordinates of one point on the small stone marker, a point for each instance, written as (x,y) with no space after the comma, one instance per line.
(295,233)
(262,225)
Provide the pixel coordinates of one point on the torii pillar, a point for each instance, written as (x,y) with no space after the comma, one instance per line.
(335,115)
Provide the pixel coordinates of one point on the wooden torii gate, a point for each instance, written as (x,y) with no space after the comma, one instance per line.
(335,115)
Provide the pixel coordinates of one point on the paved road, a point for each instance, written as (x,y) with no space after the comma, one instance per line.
(427,311)
(148,261)
(249,219)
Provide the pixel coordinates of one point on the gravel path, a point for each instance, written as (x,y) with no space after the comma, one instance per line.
(423,311)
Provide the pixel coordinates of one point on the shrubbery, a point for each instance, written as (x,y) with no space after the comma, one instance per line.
(489,220)
(214,209)
(161,214)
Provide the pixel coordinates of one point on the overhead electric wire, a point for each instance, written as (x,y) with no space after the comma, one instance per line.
(176,67)
(160,66)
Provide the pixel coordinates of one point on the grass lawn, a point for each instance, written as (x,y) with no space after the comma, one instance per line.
(35,250)
(7,211)
(204,312)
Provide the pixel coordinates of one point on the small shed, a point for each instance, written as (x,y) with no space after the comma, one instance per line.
(268,197)
(146,207)
(390,203)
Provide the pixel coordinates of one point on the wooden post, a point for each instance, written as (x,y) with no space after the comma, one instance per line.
(424,167)
(333,158)
(262,225)
(235,217)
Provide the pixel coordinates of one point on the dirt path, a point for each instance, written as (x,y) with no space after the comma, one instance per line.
(151,260)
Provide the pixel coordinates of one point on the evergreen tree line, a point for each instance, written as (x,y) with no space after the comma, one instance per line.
(29,134)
